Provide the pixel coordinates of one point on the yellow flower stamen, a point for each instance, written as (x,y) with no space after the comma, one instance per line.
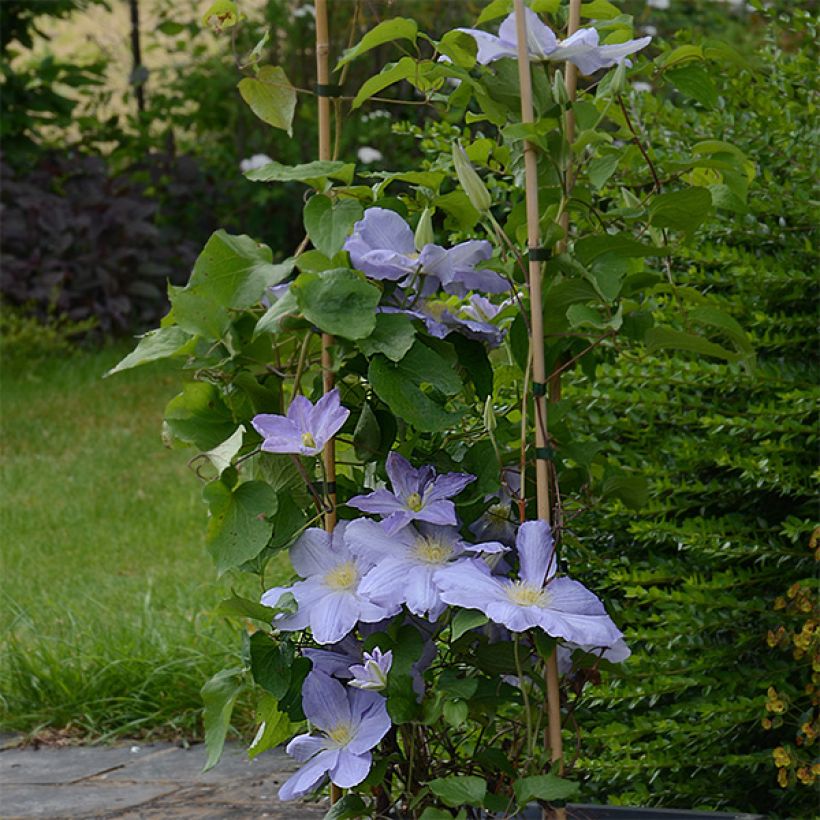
(524,594)
(414,502)
(342,734)
(345,576)
(308,440)
(433,551)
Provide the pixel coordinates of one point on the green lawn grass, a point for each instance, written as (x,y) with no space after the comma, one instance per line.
(105,586)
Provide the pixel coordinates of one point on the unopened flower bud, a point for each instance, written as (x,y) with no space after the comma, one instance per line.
(470,181)
(424,230)
(618,83)
(490,422)
(559,89)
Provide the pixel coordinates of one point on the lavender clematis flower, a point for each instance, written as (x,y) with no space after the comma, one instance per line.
(561,607)
(383,247)
(581,48)
(372,673)
(440,322)
(405,562)
(337,659)
(418,495)
(330,600)
(305,429)
(351,723)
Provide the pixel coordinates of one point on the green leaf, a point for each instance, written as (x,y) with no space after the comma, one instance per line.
(693,81)
(222,455)
(314,174)
(599,10)
(218,696)
(347,808)
(221,15)
(680,210)
(271,321)
(460,47)
(473,359)
(235,271)
(458,205)
(198,416)
(544,787)
(397,28)
(464,620)
(633,490)
(459,790)
(393,336)
(713,317)
(270,96)
(270,664)
(455,712)
(237,529)
(496,9)
(162,343)
(545,6)
(602,168)
(392,73)
(240,607)
(338,301)
(399,385)
(329,222)
(431,813)
(681,54)
(195,311)
(274,727)
(367,436)
(664,338)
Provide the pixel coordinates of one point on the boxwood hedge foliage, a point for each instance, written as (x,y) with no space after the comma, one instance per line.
(729,457)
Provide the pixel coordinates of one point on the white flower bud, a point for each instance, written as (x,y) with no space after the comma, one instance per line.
(424,230)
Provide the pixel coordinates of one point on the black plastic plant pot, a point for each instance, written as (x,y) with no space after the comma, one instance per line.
(577,811)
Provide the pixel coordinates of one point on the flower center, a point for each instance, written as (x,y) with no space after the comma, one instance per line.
(524,594)
(345,576)
(414,502)
(308,440)
(433,551)
(500,511)
(342,734)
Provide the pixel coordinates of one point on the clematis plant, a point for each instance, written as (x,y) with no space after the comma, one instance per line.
(405,655)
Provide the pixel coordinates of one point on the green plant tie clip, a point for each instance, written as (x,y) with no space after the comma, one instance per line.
(544,453)
(329,487)
(539,254)
(539,389)
(327,90)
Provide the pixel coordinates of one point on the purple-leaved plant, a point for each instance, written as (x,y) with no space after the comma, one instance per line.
(581,48)
(305,429)
(563,608)
(418,495)
(330,600)
(351,722)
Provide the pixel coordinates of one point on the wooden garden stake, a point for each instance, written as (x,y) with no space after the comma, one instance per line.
(323,97)
(539,375)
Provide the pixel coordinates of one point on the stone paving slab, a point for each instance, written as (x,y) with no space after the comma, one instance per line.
(144,781)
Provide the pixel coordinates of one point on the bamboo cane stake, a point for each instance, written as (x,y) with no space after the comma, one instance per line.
(571,82)
(322,78)
(329,452)
(538,368)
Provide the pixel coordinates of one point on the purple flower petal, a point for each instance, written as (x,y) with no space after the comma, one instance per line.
(309,776)
(382,245)
(576,614)
(328,662)
(336,617)
(490,47)
(468,583)
(515,618)
(438,512)
(397,521)
(536,552)
(324,702)
(420,592)
(303,747)
(448,485)
(351,769)
(379,502)
(541,40)
(327,416)
(312,553)
(368,539)
(370,709)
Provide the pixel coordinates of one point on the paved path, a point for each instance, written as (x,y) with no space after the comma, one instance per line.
(134,780)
